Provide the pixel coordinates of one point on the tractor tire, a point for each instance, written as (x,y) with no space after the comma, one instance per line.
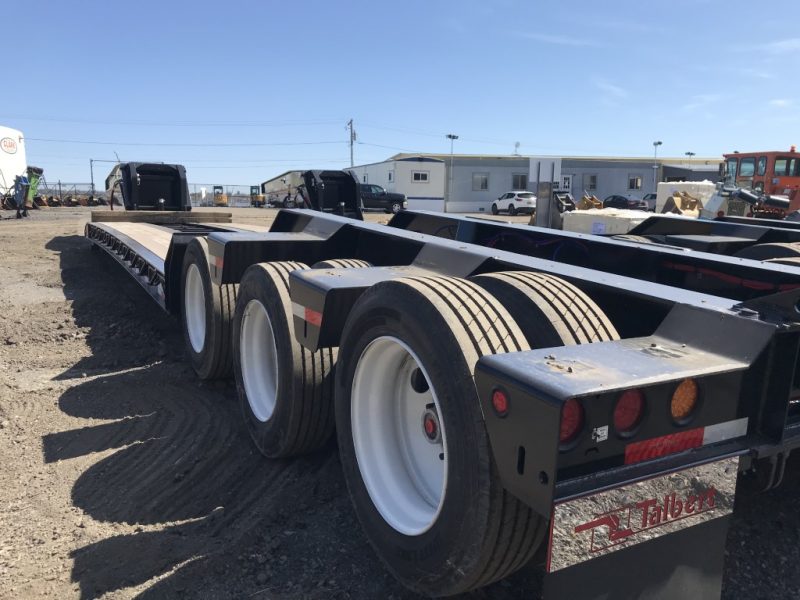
(770,251)
(206,315)
(285,391)
(550,311)
(412,441)
(341,263)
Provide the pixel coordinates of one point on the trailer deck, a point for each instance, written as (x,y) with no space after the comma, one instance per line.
(148,250)
(728,325)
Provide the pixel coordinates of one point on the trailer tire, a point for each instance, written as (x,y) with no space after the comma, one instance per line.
(769,251)
(627,237)
(285,391)
(550,311)
(418,339)
(791,261)
(342,263)
(206,315)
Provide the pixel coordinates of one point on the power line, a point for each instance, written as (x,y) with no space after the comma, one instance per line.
(288,123)
(390,147)
(203,145)
(209,161)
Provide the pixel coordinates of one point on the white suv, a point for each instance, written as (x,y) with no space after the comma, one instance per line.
(515,202)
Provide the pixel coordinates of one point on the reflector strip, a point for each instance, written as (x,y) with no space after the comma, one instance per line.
(309,315)
(684,440)
(661,446)
(725,431)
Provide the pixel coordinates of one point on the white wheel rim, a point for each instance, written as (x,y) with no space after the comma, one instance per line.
(194,307)
(259,360)
(404,472)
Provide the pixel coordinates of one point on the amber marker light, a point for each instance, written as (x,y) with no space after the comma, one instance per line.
(684,400)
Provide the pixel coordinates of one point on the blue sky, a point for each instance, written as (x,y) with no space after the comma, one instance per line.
(239,92)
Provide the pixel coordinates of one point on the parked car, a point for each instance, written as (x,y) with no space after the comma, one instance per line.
(617,201)
(651,200)
(374,196)
(515,202)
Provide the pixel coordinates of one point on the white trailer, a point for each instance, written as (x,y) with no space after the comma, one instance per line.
(12,158)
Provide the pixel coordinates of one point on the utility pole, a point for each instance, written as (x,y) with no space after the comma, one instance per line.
(352,139)
(91,174)
(452,137)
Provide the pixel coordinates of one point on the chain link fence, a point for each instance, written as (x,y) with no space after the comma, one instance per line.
(201,194)
(215,194)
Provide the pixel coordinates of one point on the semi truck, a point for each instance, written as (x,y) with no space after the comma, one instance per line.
(499,394)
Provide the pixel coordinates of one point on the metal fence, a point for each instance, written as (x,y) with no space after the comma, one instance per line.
(64,189)
(201,194)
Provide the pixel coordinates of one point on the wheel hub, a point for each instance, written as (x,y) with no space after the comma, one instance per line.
(399,439)
(194,306)
(430,426)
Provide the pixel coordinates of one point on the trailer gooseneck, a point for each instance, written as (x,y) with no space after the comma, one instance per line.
(497,391)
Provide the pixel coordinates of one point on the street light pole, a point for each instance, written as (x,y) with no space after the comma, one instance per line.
(91,174)
(452,137)
(656,144)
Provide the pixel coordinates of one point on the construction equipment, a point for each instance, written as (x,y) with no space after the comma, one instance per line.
(588,201)
(475,423)
(771,172)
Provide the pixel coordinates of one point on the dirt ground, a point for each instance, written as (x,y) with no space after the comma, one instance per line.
(124,476)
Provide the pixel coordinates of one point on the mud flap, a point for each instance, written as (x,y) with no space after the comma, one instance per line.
(662,538)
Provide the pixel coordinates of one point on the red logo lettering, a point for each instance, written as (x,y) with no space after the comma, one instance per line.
(618,525)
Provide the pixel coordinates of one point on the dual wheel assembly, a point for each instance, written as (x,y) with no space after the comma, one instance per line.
(400,392)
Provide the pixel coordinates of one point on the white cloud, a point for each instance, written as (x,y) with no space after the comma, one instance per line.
(780,103)
(700,101)
(782,46)
(558,40)
(609,89)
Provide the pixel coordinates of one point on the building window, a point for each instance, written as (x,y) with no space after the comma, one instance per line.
(634,182)
(480,182)
(519,181)
(365,178)
(590,183)
(391,176)
(419,176)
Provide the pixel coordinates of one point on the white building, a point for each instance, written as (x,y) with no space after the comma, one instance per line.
(12,158)
(420,178)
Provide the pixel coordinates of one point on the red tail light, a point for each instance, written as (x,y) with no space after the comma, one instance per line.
(628,411)
(571,420)
(517,198)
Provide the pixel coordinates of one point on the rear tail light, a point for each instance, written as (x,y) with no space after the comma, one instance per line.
(571,420)
(500,403)
(684,401)
(517,198)
(628,411)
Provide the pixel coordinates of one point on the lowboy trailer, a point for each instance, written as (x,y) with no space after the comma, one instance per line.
(498,392)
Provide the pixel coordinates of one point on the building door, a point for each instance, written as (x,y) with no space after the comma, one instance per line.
(566,183)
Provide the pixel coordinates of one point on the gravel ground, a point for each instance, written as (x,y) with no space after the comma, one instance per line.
(123,476)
